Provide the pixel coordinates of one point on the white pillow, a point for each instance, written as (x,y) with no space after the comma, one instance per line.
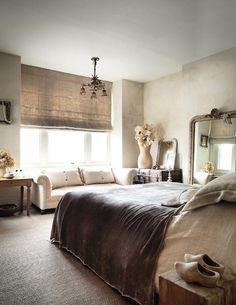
(222,188)
(61,177)
(188,194)
(73,177)
(96,176)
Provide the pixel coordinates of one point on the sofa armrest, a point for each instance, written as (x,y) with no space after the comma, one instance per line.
(124,176)
(41,190)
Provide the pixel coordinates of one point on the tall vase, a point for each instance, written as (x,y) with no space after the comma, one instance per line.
(144,158)
(2,172)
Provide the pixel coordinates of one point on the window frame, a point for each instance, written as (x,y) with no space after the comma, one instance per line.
(44,145)
(214,153)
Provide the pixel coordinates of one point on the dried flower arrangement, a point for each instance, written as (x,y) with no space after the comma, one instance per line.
(6,160)
(208,167)
(145,134)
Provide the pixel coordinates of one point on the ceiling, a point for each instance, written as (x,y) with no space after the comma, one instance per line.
(135,39)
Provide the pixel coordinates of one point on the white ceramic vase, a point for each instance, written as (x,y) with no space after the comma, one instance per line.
(144,158)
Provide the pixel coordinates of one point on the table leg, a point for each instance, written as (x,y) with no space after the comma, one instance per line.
(28,201)
(21,198)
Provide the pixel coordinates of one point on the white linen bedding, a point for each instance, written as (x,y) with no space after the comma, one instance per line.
(210,229)
(115,231)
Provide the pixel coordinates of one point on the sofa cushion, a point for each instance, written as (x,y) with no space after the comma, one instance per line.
(59,192)
(73,178)
(96,176)
(61,178)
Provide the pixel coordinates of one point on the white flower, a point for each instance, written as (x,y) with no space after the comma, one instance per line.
(6,160)
(145,134)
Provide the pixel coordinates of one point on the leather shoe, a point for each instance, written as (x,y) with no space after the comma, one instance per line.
(195,273)
(205,261)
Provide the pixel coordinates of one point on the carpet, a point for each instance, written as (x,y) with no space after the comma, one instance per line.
(34,271)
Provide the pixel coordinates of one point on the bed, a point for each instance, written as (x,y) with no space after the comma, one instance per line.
(130,235)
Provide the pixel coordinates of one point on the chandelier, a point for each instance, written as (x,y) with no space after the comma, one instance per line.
(95,84)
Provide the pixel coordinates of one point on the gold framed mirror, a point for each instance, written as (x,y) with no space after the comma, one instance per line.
(212,145)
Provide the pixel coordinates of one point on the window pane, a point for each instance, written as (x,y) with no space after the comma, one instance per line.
(47,147)
(29,145)
(99,146)
(224,156)
(65,146)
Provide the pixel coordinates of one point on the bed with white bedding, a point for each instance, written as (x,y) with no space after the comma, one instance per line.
(106,241)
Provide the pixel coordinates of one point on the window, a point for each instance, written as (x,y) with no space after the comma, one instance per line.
(42,147)
(29,145)
(65,146)
(225,152)
(99,146)
(223,156)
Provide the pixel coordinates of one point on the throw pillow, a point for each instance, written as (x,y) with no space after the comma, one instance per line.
(73,177)
(96,176)
(222,188)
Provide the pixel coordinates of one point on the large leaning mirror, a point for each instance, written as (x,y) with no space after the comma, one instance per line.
(212,145)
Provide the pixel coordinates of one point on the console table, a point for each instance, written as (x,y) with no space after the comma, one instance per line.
(21,182)
(157,175)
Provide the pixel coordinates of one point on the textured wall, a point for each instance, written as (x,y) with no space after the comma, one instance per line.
(10,84)
(202,85)
(132,116)
(163,107)
(116,134)
(127,113)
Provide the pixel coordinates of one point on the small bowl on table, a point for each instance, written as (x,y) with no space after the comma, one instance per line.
(9,175)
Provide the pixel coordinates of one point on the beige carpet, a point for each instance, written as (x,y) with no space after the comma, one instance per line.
(34,271)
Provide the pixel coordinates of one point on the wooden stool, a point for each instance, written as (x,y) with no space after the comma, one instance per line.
(175,291)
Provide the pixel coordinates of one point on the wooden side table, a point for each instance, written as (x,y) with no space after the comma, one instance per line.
(175,291)
(4,182)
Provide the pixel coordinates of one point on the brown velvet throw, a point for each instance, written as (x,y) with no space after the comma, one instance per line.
(118,233)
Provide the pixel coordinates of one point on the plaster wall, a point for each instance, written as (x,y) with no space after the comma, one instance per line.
(132,115)
(10,84)
(127,113)
(173,100)
(116,134)
(163,108)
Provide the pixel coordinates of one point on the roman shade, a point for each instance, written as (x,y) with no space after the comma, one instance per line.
(52,99)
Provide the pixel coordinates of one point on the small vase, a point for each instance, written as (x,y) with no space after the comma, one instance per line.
(2,172)
(144,158)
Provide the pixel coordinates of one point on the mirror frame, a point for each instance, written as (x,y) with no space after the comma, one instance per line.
(213,115)
(162,153)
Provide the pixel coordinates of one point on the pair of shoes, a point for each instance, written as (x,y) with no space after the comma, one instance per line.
(205,261)
(199,269)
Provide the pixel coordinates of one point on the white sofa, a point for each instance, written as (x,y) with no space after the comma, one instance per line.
(51,184)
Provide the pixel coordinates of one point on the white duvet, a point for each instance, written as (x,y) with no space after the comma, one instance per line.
(210,229)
